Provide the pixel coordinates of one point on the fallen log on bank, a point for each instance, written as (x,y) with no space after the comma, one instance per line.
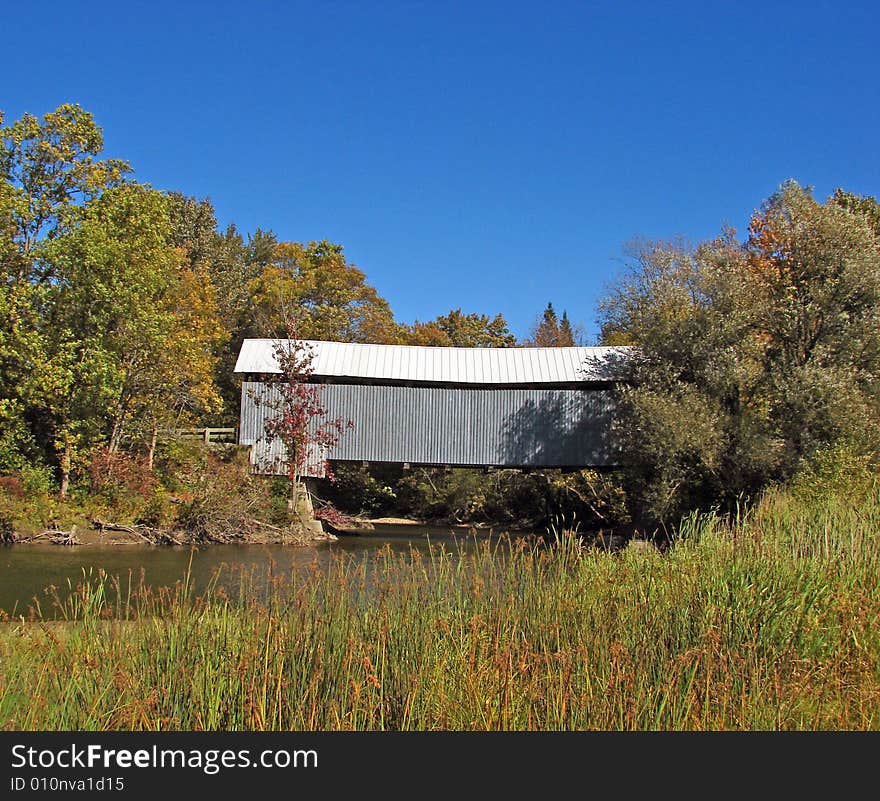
(64,537)
(155,536)
(55,536)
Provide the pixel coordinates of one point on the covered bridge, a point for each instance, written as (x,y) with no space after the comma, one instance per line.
(487,407)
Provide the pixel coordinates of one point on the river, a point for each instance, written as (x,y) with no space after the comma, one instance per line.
(27,571)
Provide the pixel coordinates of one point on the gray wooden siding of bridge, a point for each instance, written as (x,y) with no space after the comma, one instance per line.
(501,427)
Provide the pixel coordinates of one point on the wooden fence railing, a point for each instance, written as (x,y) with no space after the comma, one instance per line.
(206,434)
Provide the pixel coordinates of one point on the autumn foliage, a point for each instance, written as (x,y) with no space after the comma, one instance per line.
(755,357)
(298,416)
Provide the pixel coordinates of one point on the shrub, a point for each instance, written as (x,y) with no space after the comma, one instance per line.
(842,471)
(224,501)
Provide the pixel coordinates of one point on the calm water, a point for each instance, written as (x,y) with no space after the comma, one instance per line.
(26,571)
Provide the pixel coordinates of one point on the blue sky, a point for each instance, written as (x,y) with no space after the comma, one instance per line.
(488,156)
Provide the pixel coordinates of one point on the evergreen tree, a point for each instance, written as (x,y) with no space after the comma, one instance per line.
(546,333)
(566,335)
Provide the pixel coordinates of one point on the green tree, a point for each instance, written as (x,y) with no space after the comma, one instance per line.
(18,342)
(858,204)
(261,249)
(131,327)
(193,228)
(52,168)
(49,169)
(815,281)
(751,357)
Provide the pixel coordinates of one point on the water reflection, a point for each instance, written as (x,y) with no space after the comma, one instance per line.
(26,571)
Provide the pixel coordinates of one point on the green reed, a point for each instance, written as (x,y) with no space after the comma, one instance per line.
(769,622)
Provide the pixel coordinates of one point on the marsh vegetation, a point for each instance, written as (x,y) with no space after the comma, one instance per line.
(769,621)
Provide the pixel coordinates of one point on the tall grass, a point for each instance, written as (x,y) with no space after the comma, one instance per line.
(771,622)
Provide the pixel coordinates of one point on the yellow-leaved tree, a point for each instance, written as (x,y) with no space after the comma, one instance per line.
(331,297)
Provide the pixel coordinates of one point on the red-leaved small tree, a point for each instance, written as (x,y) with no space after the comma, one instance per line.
(298,420)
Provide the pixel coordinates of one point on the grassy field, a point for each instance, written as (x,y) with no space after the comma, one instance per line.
(769,622)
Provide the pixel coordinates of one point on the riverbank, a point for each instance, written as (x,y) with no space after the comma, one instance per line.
(194,495)
(772,622)
(84,533)
(103,534)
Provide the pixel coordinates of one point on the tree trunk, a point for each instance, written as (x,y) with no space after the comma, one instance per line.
(65,467)
(118,423)
(293,474)
(152,452)
(294,492)
(116,435)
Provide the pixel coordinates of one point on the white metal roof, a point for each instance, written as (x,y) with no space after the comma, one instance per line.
(441,365)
